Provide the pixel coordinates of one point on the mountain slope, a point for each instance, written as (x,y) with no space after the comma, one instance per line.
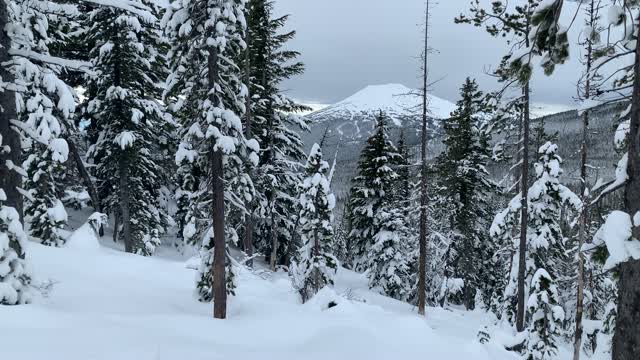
(395,100)
(346,125)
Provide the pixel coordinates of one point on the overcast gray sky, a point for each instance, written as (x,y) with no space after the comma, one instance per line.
(348,44)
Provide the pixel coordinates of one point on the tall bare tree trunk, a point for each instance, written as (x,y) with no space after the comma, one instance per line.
(524,214)
(9,180)
(577,341)
(249,226)
(422,258)
(219,276)
(626,339)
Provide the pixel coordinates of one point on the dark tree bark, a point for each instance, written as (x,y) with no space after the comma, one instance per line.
(84,174)
(626,339)
(88,182)
(9,180)
(424,172)
(116,226)
(125,203)
(249,226)
(524,214)
(219,276)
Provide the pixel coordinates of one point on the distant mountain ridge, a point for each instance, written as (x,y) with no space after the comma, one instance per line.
(397,101)
(346,125)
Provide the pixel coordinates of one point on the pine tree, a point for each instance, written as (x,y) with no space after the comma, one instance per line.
(464,190)
(371,189)
(316,265)
(277,128)
(36,102)
(546,318)
(379,235)
(44,108)
(15,275)
(545,249)
(206,88)
(388,261)
(127,117)
(524,22)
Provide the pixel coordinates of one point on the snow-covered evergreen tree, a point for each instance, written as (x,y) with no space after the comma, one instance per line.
(207,93)
(15,275)
(379,232)
(388,260)
(45,104)
(276,127)
(315,265)
(371,189)
(545,249)
(546,317)
(464,191)
(36,103)
(127,118)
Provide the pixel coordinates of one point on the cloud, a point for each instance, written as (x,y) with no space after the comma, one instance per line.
(349,44)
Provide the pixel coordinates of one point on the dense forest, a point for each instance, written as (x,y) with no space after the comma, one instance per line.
(137,134)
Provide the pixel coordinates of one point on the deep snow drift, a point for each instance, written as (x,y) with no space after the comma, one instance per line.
(105,304)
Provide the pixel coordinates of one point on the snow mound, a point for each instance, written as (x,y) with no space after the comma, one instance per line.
(328,299)
(85,238)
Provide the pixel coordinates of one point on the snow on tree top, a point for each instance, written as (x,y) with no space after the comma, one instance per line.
(395,100)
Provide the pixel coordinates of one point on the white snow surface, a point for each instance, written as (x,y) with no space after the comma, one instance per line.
(106,305)
(395,100)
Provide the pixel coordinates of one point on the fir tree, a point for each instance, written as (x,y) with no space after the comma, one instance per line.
(546,316)
(205,87)
(379,235)
(276,127)
(127,119)
(464,190)
(388,261)
(45,104)
(545,249)
(316,265)
(371,189)
(15,275)
(36,102)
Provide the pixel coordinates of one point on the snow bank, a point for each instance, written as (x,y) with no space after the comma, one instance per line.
(107,305)
(85,238)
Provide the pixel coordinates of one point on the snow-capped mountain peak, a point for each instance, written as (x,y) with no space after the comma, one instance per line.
(396,100)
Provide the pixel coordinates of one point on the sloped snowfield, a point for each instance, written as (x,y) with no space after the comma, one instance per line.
(105,304)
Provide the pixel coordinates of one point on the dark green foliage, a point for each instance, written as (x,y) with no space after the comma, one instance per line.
(464,191)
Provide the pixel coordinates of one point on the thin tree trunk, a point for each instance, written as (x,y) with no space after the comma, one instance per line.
(524,216)
(86,179)
(249,226)
(9,180)
(422,258)
(217,191)
(577,341)
(125,205)
(84,174)
(275,244)
(626,339)
(116,226)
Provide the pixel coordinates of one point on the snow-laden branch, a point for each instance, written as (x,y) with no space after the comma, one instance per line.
(131,6)
(66,63)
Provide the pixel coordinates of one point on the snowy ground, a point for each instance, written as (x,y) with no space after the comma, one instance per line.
(105,304)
